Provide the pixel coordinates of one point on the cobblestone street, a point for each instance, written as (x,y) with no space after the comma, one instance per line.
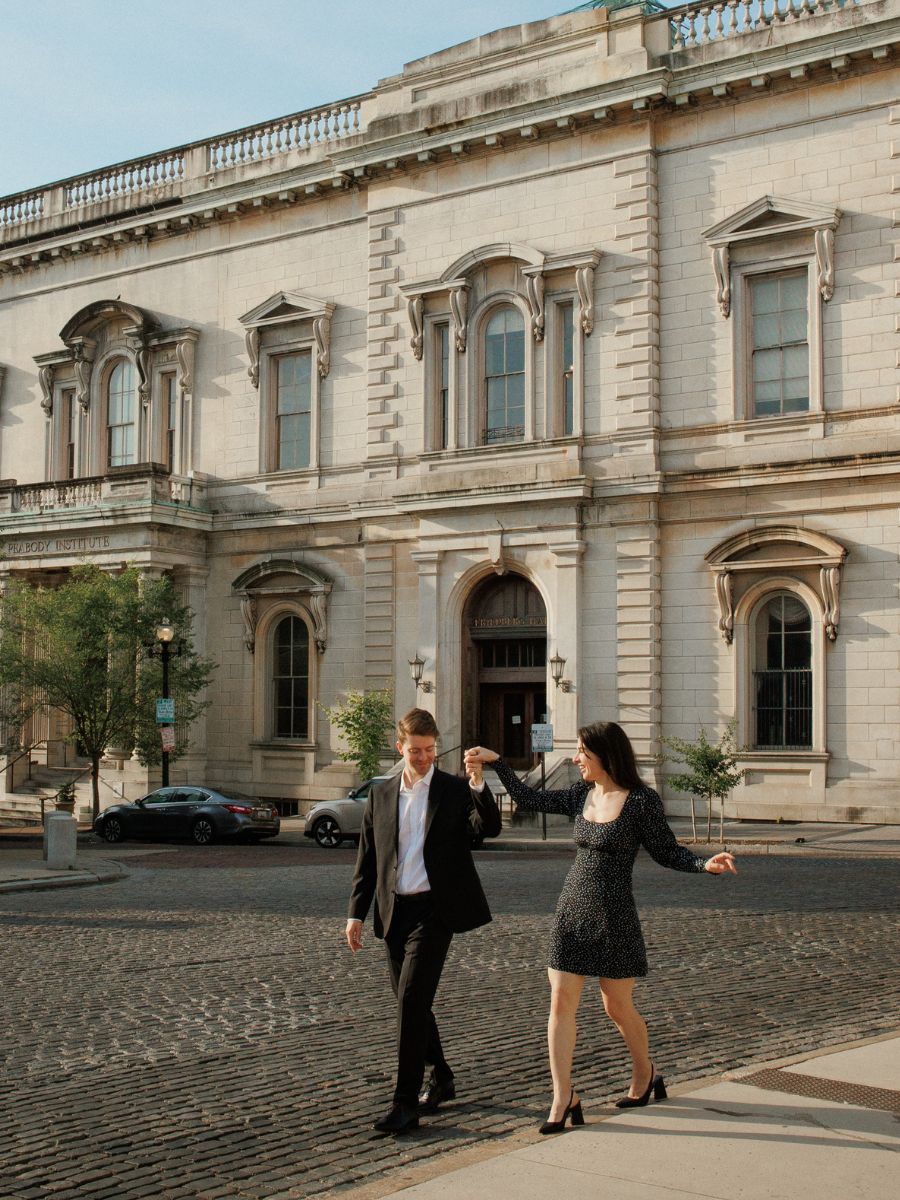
(199,1029)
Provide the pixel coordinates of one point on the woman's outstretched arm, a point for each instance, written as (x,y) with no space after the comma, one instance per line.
(567,801)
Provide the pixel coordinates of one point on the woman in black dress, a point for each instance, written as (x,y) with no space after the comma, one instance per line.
(596,931)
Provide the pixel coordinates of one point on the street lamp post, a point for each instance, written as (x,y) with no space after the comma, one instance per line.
(165,632)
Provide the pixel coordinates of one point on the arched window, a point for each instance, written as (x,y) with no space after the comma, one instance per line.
(290,678)
(783,684)
(504,377)
(121,416)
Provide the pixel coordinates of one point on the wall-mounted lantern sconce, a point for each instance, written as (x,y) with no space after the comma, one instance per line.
(416,667)
(557,666)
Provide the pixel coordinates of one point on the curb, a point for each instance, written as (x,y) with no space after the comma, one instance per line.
(105,871)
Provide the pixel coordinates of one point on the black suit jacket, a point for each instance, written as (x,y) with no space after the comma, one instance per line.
(455,813)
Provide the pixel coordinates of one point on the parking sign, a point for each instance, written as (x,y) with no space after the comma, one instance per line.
(541,738)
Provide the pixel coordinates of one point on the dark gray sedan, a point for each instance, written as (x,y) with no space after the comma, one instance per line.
(198,813)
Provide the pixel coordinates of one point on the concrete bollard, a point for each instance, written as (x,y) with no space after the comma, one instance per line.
(59,841)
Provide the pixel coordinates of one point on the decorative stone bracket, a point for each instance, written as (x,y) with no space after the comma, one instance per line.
(456,287)
(283,579)
(745,554)
(289,308)
(772,219)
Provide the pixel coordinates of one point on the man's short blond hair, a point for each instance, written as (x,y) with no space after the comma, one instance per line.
(418,722)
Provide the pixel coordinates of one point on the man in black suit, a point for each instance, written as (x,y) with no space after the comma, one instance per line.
(415,860)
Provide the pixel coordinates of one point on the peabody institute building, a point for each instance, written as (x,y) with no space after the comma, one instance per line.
(564,361)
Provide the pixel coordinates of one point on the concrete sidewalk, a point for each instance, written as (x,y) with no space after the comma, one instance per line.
(22,867)
(823,1126)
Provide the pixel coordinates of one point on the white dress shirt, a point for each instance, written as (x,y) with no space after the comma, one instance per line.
(413,805)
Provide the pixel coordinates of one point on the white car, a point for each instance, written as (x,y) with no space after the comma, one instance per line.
(331,822)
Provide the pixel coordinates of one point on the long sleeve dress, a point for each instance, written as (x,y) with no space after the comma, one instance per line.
(596,930)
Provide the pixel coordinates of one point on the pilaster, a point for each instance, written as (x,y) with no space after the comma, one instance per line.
(382,334)
(637,291)
(638,625)
(378,616)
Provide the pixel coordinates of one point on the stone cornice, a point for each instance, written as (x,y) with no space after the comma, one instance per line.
(824,47)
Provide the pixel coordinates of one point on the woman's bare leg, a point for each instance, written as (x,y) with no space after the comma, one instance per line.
(620,1009)
(565,993)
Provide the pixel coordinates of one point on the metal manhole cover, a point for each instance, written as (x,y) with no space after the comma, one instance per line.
(824,1089)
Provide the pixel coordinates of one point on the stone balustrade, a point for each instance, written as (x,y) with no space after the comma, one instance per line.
(139,178)
(699,24)
(184,169)
(145,482)
(50,497)
(274,138)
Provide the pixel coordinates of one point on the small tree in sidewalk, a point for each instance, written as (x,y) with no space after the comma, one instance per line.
(712,773)
(366,720)
(82,647)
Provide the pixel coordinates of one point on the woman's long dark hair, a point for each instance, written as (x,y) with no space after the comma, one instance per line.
(610,743)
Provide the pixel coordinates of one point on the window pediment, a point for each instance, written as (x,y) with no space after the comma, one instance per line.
(289,308)
(770,216)
(776,550)
(94,316)
(774,217)
(534,265)
(275,578)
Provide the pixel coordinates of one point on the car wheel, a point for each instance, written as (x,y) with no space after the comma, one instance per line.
(203,831)
(328,833)
(113,830)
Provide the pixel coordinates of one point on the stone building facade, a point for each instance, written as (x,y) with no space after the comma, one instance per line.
(564,361)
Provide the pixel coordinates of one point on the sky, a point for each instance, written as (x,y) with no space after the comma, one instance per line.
(87,83)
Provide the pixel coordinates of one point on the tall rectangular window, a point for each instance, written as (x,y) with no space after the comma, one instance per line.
(121,416)
(779,344)
(442,335)
(70,429)
(567,367)
(170,416)
(293,411)
(504,368)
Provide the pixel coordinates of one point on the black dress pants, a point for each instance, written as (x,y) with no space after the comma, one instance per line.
(417,944)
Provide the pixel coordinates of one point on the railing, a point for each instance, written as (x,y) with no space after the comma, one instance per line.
(143,179)
(298,132)
(783,709)
(18,210)
(700,24)
(43,496)
(127,179)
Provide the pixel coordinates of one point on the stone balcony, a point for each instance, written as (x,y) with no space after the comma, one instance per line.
(145,486)
(482,94)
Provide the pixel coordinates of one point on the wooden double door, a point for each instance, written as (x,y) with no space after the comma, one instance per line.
(507,712)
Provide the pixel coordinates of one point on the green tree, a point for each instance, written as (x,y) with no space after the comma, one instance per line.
(712,772)
(366,721)
(84,647)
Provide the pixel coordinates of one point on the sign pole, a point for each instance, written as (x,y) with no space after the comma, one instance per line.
(543,789)
(541,742)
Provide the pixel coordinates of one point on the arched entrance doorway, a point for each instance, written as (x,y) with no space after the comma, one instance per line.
(505,666)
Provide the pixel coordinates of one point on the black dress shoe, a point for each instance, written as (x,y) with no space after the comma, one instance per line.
(398,1120)
(436,1093)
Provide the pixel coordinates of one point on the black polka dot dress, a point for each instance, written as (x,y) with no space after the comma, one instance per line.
(596,930)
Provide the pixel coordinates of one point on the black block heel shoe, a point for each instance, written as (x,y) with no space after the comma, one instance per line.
(572,1110)
(657,1086)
